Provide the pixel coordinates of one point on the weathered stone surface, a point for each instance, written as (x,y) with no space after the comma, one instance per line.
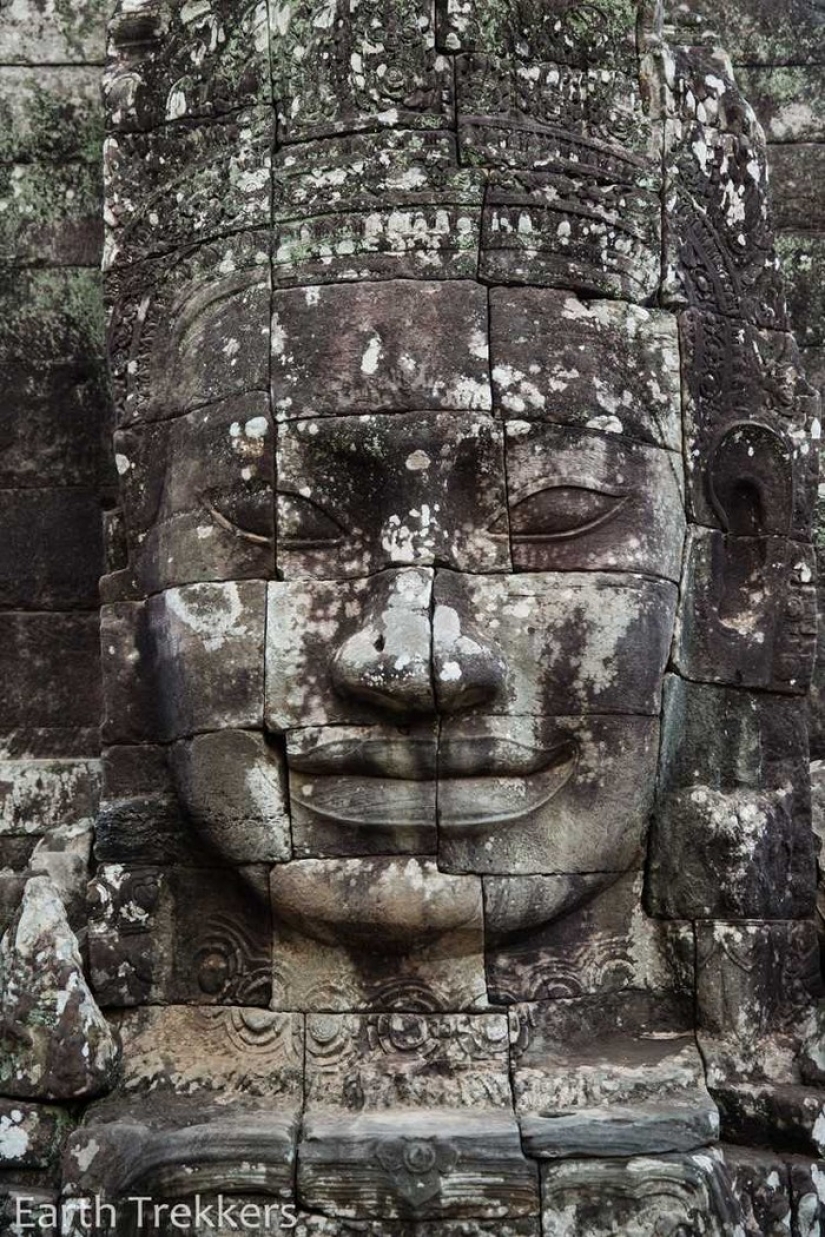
(57,1043)
(751,426)
(416,1165)
(233,786)
(788,101)
(30,1134)
(797,169)
(51,114)
(33,1203)
(567,512)
(524,795)
(179,935)
(50,214)
(393,1062)
(385,491)
(130,704)
(49,670)
(621,1132)
(613,366)
(755,988)
(569,231)
(38,795)
(170,63)
(353,68)
(362,790)
(225,166)
(51,554)
(140,818)
(604,945)
(593,1198)
(720,251)
(753,31)
(394,347)
(50,33)
(208,656)
(198,494)
(378,935)
(190,329)
(323,1226)
(63,856)
(748,612)
(761,1186)
(51,316)
(803,261)
(731,835)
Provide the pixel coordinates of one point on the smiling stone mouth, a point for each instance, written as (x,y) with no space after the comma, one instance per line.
(480,784)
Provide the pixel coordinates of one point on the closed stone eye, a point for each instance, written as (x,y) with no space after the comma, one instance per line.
(303,524)
(562,511)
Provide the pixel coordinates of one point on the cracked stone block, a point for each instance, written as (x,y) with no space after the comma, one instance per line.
(613,366)
(719,242)
(190,329)
(225,165)
(52,553)
(234,787)
(559,230)
(359,494)
(391,1062)
(198,494)
(31,1135)
(378,934)
(395,347)
(733,376)
(362,790)
(594,1198)
(170,63)
(568,514)
(179,936)
(208,646)
(605,944)
(521,796)
(358,69)
(57,1043)
(731,833)
(416,1165)
(748,612)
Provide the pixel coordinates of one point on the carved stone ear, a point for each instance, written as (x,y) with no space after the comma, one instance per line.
(750,481)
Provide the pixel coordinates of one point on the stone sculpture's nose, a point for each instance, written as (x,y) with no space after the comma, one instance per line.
(407,658)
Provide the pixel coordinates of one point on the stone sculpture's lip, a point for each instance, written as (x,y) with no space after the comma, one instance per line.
(481,783)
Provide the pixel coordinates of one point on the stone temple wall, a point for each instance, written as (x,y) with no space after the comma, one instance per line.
(57,484)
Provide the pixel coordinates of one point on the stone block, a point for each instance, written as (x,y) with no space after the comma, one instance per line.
(208,656)
(362,790)
(50,113)
(374,69)
(130,706)
(731,834)
(388,491)
(52,552)
(42,34)
(323,1226)
(195,936)
(49,666)
(748,612)
(520,796)
(190,329)
(603,945)
(375,206)
(761,1186)
(788,99)
(52,315)
(416,1165)
(797,168)
(234,787)
(225,165)
(407,1062)
(168,64)
(376,935)
(198,495)
(140,819)
(58,1045)
(802,256)
(615,366)
(51,214)
(38,795)
(561,231)
(594,1198)
(380,347)
(719,239)
(30,1134)
(567,512)
(751,424)
(752,31)
(544,116)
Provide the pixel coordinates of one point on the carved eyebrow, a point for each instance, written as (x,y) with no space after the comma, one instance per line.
(229,527)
